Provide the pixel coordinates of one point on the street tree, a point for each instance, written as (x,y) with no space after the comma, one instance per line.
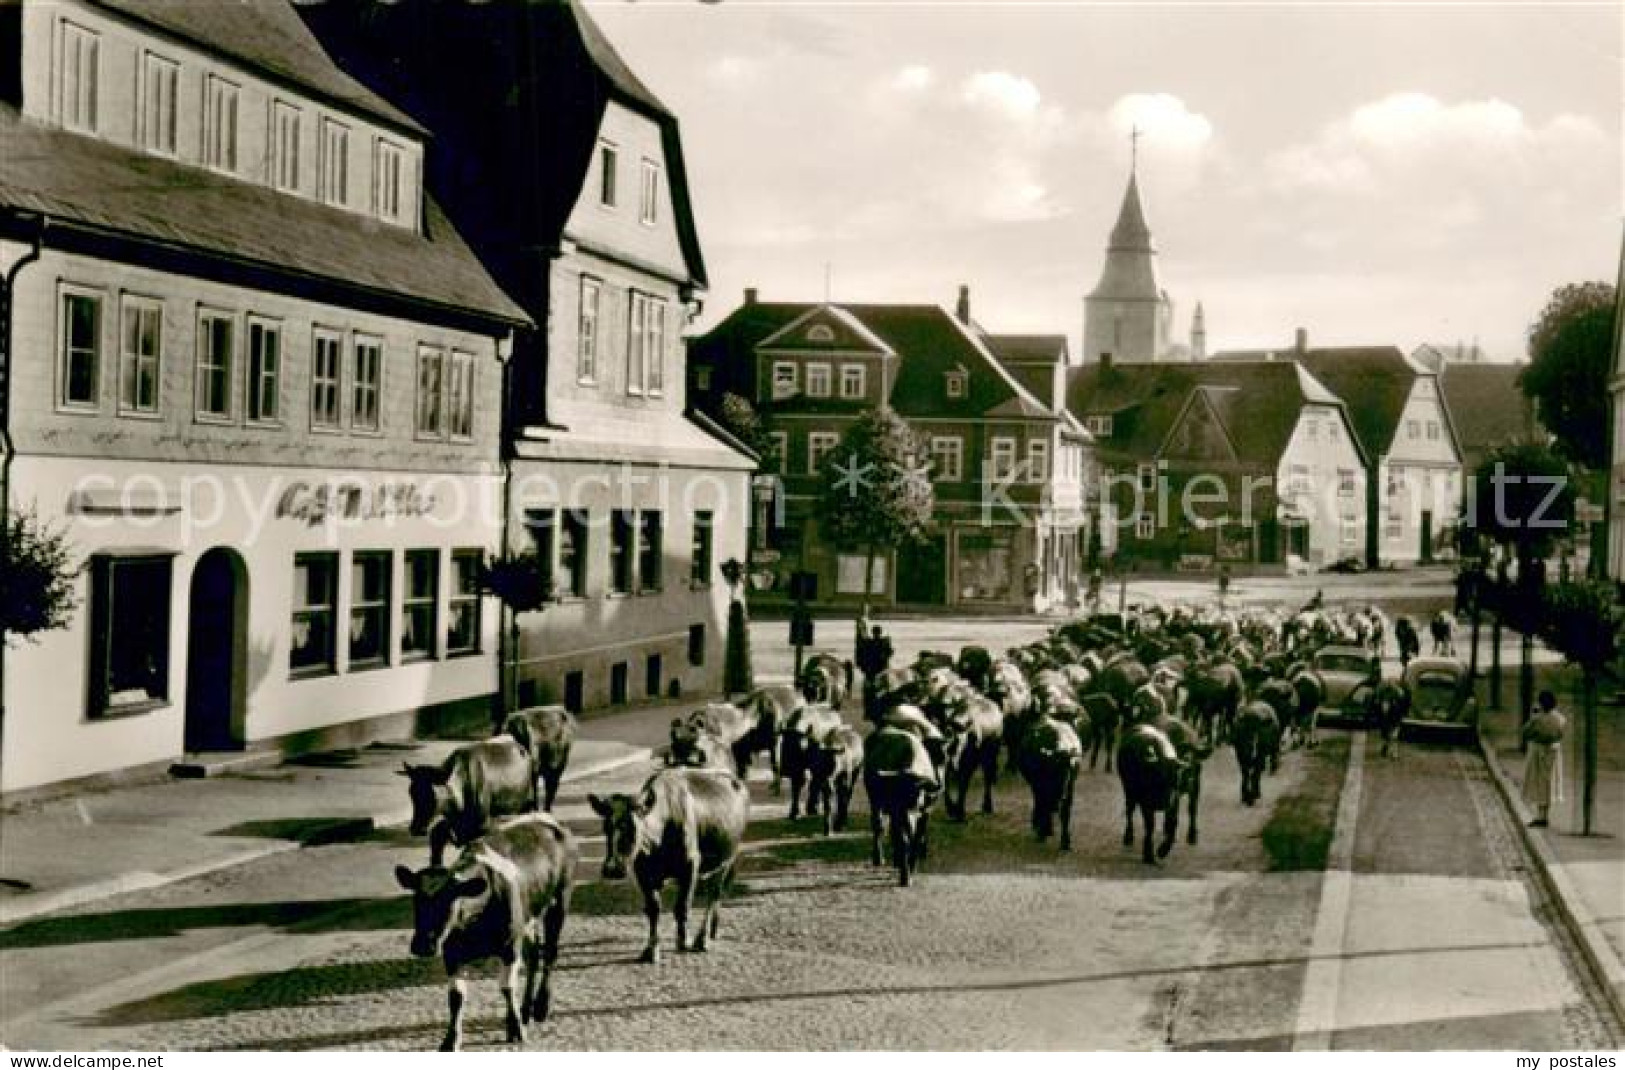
(520,584)
(1570,352)
(1581,621)
(740,419)
(875,488)
(36,577)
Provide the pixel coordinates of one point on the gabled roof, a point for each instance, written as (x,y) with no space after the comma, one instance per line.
(1028,348)
(847,333)
(1486,406)
(267,35)
(116,192)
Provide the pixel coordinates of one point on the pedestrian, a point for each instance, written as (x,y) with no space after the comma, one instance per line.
(862,630)
(1543,769)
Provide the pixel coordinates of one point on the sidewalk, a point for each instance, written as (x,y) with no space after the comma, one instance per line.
(1585,875)
(63,852)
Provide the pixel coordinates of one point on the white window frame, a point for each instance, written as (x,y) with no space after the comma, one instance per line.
(948,451)
(819,445)
(282,155)
(460,376)
(1037,460)
(77,97)
(819,380)
(781,446)
(366,386)
(1433,430)
(785,380)
(854,381)
(1145,525)
(333,163)
(1146,475)
(1413,429)
(1001,456)
(1345,483)
(1100,426)
(144,363)
(429,414)
(326,390)
(646,345)
(158,107)
(65,352)
(649,193)
(205,367)
(428,602)
(389,200)
(609,157)
(587,322)
(221,100)
(258,379)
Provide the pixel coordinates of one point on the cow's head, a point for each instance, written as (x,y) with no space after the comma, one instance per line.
(442,903)
(427,788)
(623,818)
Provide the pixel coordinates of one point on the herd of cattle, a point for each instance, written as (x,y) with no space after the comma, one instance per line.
(1153,693)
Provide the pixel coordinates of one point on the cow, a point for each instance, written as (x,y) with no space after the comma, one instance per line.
(1311,692)
(547,734)
(1049,759)
(1410,643)
(506,898)
(826,679)
(1008,687)
(975,663)
(1151,771)
(834,763)
(684,825)
(694,744)
(1390,705)
(974,728)
(456,801)
(1103,716)
(1215,691)
(769,708)
(795,743)
(1256,738)
(902,782)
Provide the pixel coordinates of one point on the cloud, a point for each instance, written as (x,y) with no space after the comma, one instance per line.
(1011,94)
(1163,119)
(913,79)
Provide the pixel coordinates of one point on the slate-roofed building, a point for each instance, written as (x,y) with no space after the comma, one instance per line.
(1413,476)
(1486,408)
(1007,466)
(252,373)
(566,173)
(1206,463)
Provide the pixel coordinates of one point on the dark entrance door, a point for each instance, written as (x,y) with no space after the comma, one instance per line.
(1297,538)
(214,662)
(1427,536)
(922,573)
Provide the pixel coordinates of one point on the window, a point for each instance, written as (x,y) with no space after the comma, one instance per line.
(1145,525)
(543,527)
(651,676)
(784,379)
(388,181)
(264,371)
(699,558)
(129,600)
(852,381)
(696,644)
(284,154)
(315,601)
(1334,431)
(948,457)
(646,346)
(81,348)
(1413,429)
(367,365)
(220,124)
(573,553)
(1148,475)
(1037,460)
(1098,425)
(620,551)
(781,450)
(142,334)
(420,602)
(819,443)
(333,164)
(649,201)
(1002,459)
(607,159)
(1311,428)
(587,332)
(78,61)
(1433,430)
(820,332)
(1350,531)
(956,384)
(818,380)
(1345,482)
(431,392)
(651,551)
(215,357)
(1298,479)
(460,396)
(326,366)
(156,119)
(369,608)
(463,607)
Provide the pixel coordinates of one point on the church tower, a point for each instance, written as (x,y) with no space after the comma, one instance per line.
(1127,314)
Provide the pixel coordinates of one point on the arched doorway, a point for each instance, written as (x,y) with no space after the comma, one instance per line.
(216,661)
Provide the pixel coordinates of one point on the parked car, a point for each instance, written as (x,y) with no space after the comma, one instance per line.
(1442,701)
(1350,674)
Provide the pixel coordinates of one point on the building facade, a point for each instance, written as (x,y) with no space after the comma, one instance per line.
(252,376)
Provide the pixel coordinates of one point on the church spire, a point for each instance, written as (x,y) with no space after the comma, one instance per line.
(1127,312)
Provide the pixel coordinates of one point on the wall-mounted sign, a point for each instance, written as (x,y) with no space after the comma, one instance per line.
(316,503)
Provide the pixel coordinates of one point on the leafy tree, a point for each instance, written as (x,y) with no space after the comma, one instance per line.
(1570,350)
(1523,498)
(875,489)
(1582,621)
(517,582)
(742,420)
(36,577)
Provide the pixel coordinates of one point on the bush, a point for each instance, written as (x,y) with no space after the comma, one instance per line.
(36,577)
(517,581)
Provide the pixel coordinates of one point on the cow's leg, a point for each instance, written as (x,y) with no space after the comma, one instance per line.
(1066,804)
(1170,825)
(439,836)
(797,782)
(552,927)
(687,881)
(902,848)
(990,772)
(533,962)
(876,830)
(510,978)
(1195,796)
(1149,819)
(651,911)
(1128,819)
(843,800)
(550,781)
(456,995)
(718,888)
(922,835)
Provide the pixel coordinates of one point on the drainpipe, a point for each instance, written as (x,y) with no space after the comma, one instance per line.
(507,630)
(7,450)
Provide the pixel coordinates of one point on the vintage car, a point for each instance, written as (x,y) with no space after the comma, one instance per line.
(1442,702)
(1350,674)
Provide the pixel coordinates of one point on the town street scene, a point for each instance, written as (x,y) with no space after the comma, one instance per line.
(539,525)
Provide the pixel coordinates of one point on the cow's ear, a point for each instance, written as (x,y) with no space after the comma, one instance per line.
(473,888)
(440,775)
(599,806)
(406,878)
(677,722)
(405,770)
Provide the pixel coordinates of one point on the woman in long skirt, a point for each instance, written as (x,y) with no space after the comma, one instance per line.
(1543,770)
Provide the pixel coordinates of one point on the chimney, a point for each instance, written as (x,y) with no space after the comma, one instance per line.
(750,295)
(1302,342)
(962,310)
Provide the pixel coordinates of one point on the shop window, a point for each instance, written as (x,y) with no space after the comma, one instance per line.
(420,601)
(463,607)
(315,601)
(129,633)
(369,609)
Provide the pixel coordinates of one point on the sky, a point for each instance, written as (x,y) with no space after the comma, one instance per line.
(1375,174)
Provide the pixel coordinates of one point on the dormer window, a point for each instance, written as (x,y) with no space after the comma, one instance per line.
(1099,426)
(78,62)
(956,380)
(820,332)
(608,158)
(388,181)
(159,77)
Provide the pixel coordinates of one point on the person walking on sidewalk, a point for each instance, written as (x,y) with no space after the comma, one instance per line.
(1543,770)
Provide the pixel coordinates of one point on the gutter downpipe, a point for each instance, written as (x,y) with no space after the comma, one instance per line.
(507,632)
(7,451)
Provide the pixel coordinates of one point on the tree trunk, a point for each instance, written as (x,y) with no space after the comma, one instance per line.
(1495,663)
(869,573)
(1588,790)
